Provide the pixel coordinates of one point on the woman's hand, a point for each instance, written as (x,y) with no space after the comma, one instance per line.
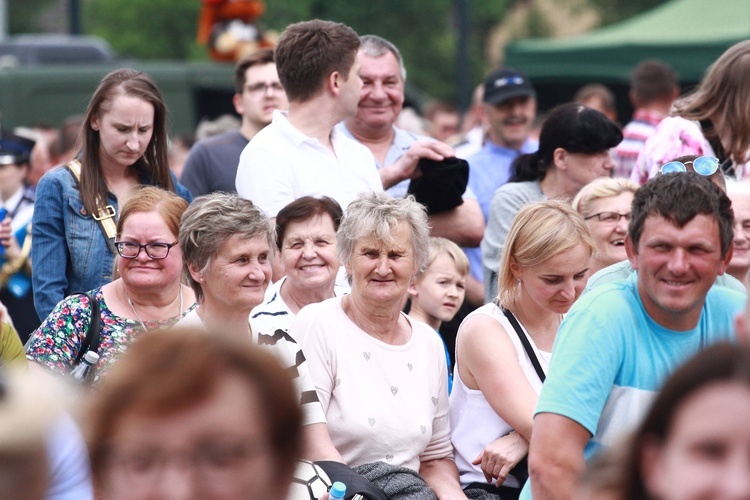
(500,456)
(12,249)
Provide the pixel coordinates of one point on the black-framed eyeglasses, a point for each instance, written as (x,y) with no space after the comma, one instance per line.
(609,217)
(703,165)
(261,88)
(131,249)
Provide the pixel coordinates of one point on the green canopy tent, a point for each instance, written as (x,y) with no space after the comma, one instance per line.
(686,34)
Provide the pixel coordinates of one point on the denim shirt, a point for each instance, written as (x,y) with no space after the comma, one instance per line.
(69,252)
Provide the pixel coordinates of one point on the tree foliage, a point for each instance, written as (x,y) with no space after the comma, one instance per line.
(145,29)
(23,16)
(424,30)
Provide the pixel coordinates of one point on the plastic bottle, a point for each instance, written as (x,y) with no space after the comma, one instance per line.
(82,370)
(338,491)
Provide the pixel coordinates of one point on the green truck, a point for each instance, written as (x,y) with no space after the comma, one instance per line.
(49,93)
(42,83)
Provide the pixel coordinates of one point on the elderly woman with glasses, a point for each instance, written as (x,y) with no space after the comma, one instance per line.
(605,206)
(381,376)
(146,298)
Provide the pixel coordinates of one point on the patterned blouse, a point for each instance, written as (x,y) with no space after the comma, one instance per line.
(55,344)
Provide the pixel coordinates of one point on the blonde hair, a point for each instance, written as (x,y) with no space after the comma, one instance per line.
(442,246)
(539,232)
(604,187)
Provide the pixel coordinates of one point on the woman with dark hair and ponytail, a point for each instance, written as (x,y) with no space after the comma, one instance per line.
(573,150)
(123,144)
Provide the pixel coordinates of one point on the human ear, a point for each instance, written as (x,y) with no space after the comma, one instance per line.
(237,102)
(630,250)
(515,271)
(334,82)
(195,273)
(559,157)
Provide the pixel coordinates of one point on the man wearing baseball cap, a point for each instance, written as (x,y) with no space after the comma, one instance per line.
(510,104)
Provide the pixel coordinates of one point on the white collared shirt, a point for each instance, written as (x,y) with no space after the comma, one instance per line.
(281,164)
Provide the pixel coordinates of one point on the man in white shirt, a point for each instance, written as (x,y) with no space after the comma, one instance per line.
(300,153)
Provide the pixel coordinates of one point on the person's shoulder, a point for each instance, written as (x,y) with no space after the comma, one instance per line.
(617,271)
(405,136)
(191,320)
(425,334)
(351,144)
(607,302)
(484,154)
(513,193)
(57,175)
(720,296)
(320,309)
(729,281)
(269,137)
(221,140)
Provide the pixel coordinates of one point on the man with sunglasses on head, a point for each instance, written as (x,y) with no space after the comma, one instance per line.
(708,166)
(211,164)
(618,343)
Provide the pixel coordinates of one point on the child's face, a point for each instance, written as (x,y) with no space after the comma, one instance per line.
(439,291)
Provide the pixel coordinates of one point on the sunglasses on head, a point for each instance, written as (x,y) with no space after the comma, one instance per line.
(703,165)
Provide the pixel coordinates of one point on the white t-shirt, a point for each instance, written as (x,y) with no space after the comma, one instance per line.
(281,164)
(383,402)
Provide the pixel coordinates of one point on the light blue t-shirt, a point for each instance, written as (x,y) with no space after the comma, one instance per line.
(610,358)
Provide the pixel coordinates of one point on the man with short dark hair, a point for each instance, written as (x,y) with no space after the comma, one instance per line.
(299,153)
(211,164)
(620,341)
(653,88)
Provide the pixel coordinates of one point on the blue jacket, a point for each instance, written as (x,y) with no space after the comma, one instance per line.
(69,253)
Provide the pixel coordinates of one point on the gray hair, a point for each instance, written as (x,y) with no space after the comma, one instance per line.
(375,46)
(213,218)
(378,214)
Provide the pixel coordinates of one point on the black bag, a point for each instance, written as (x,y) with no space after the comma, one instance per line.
(93,333)
(355,484)
(442,184)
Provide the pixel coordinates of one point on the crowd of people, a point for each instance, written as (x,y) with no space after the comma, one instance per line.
(286,294)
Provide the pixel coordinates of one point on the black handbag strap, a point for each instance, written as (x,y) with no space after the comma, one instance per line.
(524,341)
(91,342)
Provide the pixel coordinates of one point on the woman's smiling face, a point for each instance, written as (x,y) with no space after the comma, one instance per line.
(609,236)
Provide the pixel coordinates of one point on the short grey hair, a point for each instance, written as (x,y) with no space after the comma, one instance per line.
(376,46)
(212,219)
(378,214)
